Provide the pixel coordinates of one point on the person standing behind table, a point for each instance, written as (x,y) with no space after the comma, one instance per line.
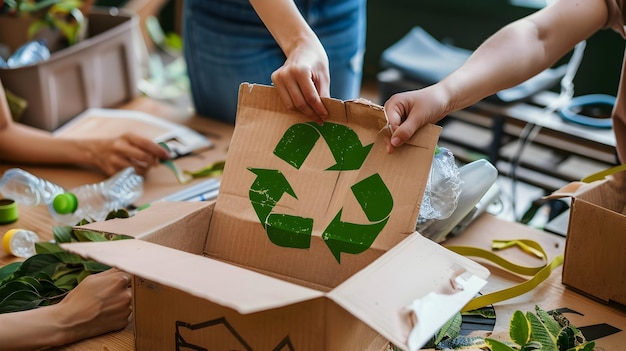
(512,55)
(20,143)
(307,48)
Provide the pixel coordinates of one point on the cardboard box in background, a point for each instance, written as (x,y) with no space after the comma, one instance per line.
(595,250)
(100,71)
(310,245)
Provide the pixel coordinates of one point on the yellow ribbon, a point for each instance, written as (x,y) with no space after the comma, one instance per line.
(539,274)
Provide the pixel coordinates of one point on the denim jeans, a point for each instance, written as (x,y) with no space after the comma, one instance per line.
(226,43)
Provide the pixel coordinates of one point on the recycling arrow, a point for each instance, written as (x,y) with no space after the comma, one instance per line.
(344,144)
(282,230)
(371,193)
(376,201)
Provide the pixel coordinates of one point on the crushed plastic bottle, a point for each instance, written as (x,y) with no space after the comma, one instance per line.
(91,201)
(443,187)
(20,242)
(29,54)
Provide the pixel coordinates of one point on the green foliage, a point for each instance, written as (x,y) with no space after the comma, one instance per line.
(538,330)
(542,331)
(46,277)
(63,15)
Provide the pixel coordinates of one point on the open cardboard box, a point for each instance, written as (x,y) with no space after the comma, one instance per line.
(309,246)
(594,252)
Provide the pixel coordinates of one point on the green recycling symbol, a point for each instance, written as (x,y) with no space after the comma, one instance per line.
(293,231)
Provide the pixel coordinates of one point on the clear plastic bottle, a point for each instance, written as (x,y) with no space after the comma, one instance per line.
(20,242)
(90,201)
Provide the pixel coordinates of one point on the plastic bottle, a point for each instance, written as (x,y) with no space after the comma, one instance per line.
(90,201)
(20,242)
(443,187)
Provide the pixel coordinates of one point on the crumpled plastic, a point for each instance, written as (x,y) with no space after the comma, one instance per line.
(443,187)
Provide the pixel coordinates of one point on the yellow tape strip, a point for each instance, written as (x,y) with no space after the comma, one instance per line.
(539,274)
(603,174)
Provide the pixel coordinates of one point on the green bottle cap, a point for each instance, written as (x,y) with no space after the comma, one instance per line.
(65,203)
(8,211)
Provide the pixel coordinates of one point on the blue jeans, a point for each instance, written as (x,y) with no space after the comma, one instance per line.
(226,43)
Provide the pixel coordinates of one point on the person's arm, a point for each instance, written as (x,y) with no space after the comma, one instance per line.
(99,304)
(304,77)
(512,55)
(25,144)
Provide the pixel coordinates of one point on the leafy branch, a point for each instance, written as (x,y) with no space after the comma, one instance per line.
(46,277)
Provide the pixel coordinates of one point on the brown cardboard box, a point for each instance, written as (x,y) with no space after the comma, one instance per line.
(595,251)
(309,246)
(100,71)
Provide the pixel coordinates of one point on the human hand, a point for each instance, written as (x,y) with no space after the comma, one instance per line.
(303,79)
(114,154)
(409,111)
(101,303)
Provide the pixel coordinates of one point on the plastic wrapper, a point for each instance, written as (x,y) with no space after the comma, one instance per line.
(443,187)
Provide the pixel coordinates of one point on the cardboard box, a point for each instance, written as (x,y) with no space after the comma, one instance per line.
(309,246)
(100,71)
(595,250)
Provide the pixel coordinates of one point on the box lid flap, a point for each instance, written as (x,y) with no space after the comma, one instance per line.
(323,198)
(417,272)
(240,289)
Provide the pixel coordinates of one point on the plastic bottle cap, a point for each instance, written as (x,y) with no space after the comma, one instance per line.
(65,203)
(6,240)
(23,237)
(8,211)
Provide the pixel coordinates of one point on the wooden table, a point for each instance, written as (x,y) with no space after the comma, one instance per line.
(159,182)
(551,294)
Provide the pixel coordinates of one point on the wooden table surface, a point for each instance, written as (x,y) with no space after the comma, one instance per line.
(159,182)
(551,294)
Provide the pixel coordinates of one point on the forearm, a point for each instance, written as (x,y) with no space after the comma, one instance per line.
(23,144)
(32,329)
(284,21)
(523,49)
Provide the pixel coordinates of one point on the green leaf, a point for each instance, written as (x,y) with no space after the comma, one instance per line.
(68,281)
(539,332)
(532,345)
(62,234)
(496,345)
(44,247)
(20,300)
(450,330)
(590,346)
(519,328)
(121,213)
(7,271)
(65,270)
(69,258)
(212,170)
(46,263)
(95,267)
(462,342)
(566,338)
(549,321)
(88,235)
(82,275)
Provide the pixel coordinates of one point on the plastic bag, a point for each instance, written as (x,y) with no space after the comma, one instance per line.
(443,187)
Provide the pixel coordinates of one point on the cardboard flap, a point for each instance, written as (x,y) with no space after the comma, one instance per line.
(240,289)
(316,198)
(415,270)
(568,190)
(164,231)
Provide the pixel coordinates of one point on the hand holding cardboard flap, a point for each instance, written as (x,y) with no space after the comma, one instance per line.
(327,198)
